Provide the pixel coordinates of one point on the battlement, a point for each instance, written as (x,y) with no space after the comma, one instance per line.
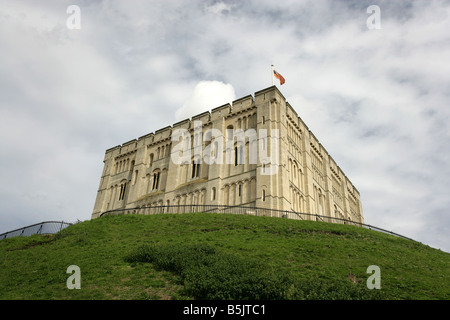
(220,112)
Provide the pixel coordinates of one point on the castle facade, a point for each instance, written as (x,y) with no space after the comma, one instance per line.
(256,152)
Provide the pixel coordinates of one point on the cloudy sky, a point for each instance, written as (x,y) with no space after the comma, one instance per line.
(377,98)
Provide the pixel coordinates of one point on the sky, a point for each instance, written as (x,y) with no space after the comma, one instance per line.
(372,85)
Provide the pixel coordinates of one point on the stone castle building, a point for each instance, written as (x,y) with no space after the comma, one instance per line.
(256,152)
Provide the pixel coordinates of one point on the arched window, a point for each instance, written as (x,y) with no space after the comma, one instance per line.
(230,132)
(195,168)
(151,159)
(241,154)
(294,169)
(156,176)
(123,187)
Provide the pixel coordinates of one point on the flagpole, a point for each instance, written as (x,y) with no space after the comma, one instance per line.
(272,75)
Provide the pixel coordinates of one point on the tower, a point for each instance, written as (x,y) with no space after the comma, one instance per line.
(256,152)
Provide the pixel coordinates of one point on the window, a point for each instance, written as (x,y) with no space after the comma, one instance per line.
(155,181)
(123,187)
(238,155)
(230,132)
(195,169)
(241,154)
(264,195)
(151,159)
(213,193)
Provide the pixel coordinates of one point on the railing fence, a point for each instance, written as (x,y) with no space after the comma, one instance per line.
(46,227)
(256,211)
(52,227)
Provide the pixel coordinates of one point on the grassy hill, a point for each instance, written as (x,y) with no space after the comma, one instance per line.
(219,256)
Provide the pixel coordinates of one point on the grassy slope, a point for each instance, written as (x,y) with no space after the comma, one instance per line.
(35,267)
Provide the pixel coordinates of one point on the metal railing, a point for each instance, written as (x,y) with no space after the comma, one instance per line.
(243,210)
(46,227)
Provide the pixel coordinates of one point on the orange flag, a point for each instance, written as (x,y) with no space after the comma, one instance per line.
(279,77)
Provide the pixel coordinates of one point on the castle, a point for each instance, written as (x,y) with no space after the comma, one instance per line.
(256,152)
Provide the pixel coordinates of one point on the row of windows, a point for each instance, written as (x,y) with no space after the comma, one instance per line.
(156,176)
(298,203)
(292,133)
(112,194)
(239,155)
(319,201)
(123,165)
(246,122)
(297,200)
(195,140)
(155,181)
(338,213)
(317,171)
(234,193)
(354,206)
(337,197)
(196,197)
(159,153)
(239,192)
(241,152)
(294,150)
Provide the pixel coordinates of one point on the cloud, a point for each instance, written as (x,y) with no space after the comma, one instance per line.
(207,95)
(218,8)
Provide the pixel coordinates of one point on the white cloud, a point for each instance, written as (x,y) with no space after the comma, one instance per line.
(218,8)
(207,95)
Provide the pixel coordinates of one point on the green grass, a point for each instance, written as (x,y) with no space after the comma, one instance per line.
(219,256)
